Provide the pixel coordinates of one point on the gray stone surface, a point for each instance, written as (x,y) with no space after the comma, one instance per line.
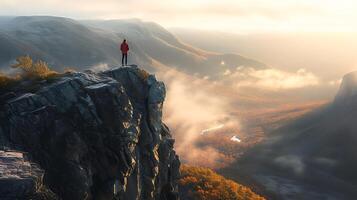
(96,136)
(19,179)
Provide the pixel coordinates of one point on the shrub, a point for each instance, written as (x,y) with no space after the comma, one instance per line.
(30,69)
(143,74)
(203,183)
(5,80)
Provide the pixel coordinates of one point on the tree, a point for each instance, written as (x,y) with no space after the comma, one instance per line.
(203,183)
(30,69)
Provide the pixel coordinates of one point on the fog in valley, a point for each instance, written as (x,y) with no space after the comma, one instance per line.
(258,107)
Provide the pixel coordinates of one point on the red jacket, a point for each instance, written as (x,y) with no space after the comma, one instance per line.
(124,47)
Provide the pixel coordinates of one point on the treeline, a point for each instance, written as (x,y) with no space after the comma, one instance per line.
(199,183)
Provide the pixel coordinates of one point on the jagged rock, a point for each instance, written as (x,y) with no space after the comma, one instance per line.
(20,179)
(96,136)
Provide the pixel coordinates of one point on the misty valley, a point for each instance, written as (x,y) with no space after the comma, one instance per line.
(180,121)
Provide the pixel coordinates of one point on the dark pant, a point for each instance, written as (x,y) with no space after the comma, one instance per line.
(124,57)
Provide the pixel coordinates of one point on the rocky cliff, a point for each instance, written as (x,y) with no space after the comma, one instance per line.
(94,135)
(348,89)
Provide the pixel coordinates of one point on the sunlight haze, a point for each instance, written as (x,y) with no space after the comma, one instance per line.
(225,15)
(178,99)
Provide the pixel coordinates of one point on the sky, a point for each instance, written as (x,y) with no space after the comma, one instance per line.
(236,16)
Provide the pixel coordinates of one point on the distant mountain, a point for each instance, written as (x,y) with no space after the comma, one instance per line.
(348,89)
(312,158)
(289,51)
(60,41)
(80,44)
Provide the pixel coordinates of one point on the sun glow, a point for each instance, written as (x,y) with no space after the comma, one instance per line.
(224,15)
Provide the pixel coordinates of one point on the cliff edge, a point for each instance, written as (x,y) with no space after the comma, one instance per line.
(94,135)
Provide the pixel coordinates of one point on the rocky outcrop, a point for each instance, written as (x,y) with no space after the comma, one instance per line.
(95,135)
(348,89)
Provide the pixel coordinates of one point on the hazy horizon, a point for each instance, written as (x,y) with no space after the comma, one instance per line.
(255,90)
(327,55)
(227,15)
(288,35)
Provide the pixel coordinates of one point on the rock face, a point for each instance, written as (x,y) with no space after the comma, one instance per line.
(21,179)
(95,135)
(348,89)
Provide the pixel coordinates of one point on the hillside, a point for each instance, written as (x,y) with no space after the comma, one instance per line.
(310,158)
(202,183)
(66,42)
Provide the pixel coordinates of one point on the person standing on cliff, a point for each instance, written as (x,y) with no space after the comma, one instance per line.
(124,47)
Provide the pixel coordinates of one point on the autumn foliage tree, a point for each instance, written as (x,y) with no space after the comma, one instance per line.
(199,183)
(30,69)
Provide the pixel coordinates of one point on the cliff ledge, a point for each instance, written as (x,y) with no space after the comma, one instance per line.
(92,136)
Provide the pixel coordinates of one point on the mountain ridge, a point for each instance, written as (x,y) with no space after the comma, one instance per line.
(80,44)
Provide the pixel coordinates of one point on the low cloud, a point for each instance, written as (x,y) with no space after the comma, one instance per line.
(100,67)
(325,162)
(195,108)
(271,79)
(192,109)
(335,82)
(291,162)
